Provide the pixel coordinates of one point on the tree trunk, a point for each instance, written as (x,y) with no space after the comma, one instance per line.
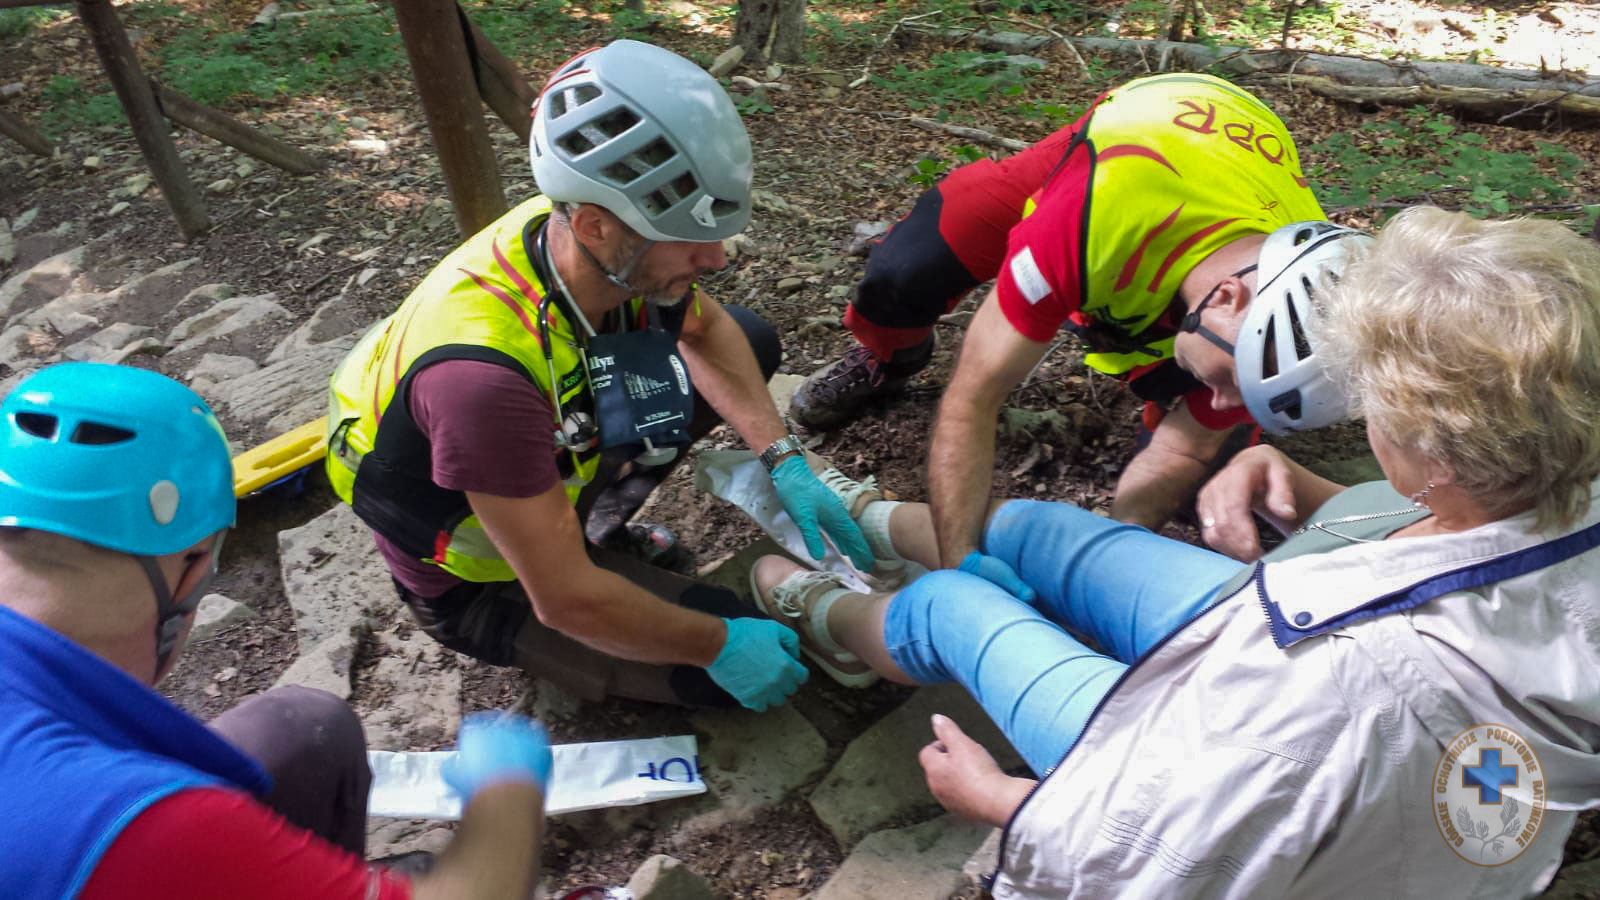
(150,128)
(771,30)
(437,48)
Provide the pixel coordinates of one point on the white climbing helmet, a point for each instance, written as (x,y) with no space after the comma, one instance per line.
(1284,386)
(648,135)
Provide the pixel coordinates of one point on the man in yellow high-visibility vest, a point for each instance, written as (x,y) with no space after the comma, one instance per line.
(560,359)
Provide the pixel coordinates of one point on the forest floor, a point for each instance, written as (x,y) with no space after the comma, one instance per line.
(828,158)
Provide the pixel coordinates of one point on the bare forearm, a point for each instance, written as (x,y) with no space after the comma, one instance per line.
(617,617)
(960,469)
(1154,485)
(726,374)
(1310,492)
(495,853)
(1007,797)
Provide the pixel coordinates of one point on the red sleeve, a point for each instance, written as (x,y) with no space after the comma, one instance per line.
(206,843)
(490,428)
(1039,285)
(1199,402)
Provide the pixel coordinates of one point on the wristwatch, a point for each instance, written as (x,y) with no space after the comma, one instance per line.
(780,448)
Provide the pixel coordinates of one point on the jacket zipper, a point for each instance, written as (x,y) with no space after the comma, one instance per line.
(1005,833)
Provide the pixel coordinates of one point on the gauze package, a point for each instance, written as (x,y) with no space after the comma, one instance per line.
(409,785)
(738,477)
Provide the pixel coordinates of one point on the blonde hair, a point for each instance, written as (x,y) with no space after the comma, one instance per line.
(1477,344)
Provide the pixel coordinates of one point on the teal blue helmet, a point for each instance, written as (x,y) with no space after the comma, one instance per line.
(114,456)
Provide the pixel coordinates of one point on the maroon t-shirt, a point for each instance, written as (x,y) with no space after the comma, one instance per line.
(491,432)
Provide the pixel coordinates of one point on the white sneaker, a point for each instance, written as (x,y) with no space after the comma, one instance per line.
(888,569)
(801,602)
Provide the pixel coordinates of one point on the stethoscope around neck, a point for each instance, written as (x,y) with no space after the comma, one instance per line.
(578,432)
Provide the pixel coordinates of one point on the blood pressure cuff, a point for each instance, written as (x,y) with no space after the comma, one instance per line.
(641,388)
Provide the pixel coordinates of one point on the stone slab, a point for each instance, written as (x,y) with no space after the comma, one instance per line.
(215,614)
(922,861)
(113,344)
(148,298)
(286,394)
(216,369)
(392,837)
(337,320)
(664,877)
(231,326)
(326,666)
(42,281)
(782,387)
(332,575)
(415,711)
(983,860)
(878,779)
(750,763)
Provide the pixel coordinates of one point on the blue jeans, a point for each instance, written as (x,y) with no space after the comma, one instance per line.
(1102,583)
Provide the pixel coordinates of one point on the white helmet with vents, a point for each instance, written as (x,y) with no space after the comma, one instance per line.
(1283,383)
(648,135)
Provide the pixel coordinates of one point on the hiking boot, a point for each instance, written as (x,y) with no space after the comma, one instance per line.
(835,394)
(888,568)
(799,598)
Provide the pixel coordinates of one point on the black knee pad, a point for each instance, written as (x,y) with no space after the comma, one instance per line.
(763,338)
(715,601)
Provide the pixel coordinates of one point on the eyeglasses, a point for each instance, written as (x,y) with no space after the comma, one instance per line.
(1191,322)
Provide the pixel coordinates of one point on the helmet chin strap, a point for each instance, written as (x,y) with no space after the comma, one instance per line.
(169,613)
(618,278)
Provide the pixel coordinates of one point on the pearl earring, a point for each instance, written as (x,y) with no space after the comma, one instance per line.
(1420,498)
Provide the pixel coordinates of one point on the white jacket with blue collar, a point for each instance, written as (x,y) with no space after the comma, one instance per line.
(1417,717)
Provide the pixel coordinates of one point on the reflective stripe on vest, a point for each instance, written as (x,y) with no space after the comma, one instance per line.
(485,294)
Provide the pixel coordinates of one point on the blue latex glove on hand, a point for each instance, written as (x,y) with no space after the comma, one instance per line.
(997,572)
(809,503)
(496,748)
(759,664)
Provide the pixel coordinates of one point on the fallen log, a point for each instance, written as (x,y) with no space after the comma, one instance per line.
(1507,104)
(13,127)
(1507,93)
(217,124)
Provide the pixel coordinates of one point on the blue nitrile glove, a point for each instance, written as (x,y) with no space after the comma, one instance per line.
(810,503)
(759,664)
(998,572)
(498,748)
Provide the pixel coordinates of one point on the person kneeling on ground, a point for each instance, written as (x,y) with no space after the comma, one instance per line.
(1399,701)
(115,493)
(1163,210)
(541,381)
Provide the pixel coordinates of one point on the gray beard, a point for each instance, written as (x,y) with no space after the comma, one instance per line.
(667,302)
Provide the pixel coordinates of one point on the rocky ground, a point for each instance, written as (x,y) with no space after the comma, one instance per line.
(820,798)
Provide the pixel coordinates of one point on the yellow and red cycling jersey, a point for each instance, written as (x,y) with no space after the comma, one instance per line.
(1163,171)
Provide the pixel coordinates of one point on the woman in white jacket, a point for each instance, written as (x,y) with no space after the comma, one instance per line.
(1402,700)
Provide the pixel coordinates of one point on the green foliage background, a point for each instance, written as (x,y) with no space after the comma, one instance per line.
(1421,157)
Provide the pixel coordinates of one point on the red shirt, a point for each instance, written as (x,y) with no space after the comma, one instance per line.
(209,843)
(491,432)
